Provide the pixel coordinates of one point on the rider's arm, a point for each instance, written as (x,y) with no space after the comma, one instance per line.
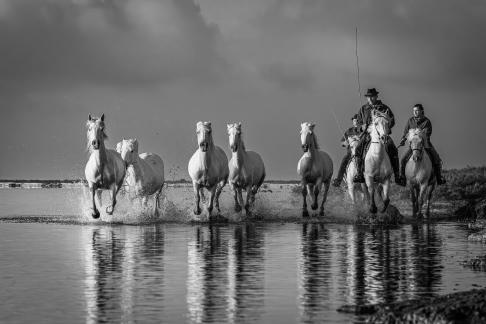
(405,132)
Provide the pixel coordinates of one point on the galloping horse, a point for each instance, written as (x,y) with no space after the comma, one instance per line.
(145,172)
(208,167)
(377,165)
(419,173)
(105,169)
(352,170)
(314,168)
(246,169)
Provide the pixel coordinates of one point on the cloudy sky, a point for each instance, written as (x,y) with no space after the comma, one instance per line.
(156,67)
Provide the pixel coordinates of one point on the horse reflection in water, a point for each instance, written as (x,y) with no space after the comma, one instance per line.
(112,281)
(315,266)
(368,266)
(226,274)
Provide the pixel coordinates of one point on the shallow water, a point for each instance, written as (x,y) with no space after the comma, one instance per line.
(279,272)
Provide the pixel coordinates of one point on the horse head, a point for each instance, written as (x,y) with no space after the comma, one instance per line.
(307,136)
(204,135)
(353,143)
(234,132)
(128,150)
(380,127)
(416,138)
(96,132)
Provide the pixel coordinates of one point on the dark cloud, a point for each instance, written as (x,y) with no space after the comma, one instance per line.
(114,42)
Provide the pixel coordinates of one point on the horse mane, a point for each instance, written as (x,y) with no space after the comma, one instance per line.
(415,132)
(314,138)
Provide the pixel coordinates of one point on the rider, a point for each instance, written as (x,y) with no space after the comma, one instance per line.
(418,120)
(352,131)
(364,120)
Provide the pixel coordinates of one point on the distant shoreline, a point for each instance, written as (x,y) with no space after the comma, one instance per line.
(82,181)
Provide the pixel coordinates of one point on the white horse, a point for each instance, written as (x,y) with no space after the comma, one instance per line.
(208,167)
(377,164)
(145,172)
(246,169)
(105,169)
(352,170)
(419,173)
(314,168)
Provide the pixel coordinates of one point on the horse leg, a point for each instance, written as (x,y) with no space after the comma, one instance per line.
(95,213)
(212,195)
(423,190)
(305,213)
(237,205)
(324,196)
(385,198)
(430,190)
(157,197)
(197,197)
(413,196)
(219,189)
(110,209)
(315,196)
(366,194)
(371,190)
(98,197)
(248,200)
(240,197)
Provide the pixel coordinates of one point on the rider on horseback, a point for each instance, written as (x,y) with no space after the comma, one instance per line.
(420,121)
(364,120)
(352,131)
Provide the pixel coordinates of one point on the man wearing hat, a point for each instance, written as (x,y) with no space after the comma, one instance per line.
(364,120)
(352,131)
(418,120)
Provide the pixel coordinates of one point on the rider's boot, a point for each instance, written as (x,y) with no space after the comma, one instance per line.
(342,169)
(437,165)
(403,165)
(393,154)
(359,177)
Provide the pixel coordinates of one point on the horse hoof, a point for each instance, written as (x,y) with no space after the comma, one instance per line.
(373,209)
(197,211)
(321,213)
(305,213)
(109,210)
(314,206)
(95,214)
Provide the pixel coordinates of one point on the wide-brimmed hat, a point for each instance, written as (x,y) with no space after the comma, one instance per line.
(371,93)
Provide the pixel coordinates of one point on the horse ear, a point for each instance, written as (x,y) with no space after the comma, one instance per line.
(239,124)
(102,117)
(312,125)
(89,117)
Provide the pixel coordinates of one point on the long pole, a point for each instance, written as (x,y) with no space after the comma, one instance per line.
(357,67)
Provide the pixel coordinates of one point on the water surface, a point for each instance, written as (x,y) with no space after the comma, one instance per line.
(279,272)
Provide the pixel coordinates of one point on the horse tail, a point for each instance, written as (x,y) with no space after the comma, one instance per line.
(255,188)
